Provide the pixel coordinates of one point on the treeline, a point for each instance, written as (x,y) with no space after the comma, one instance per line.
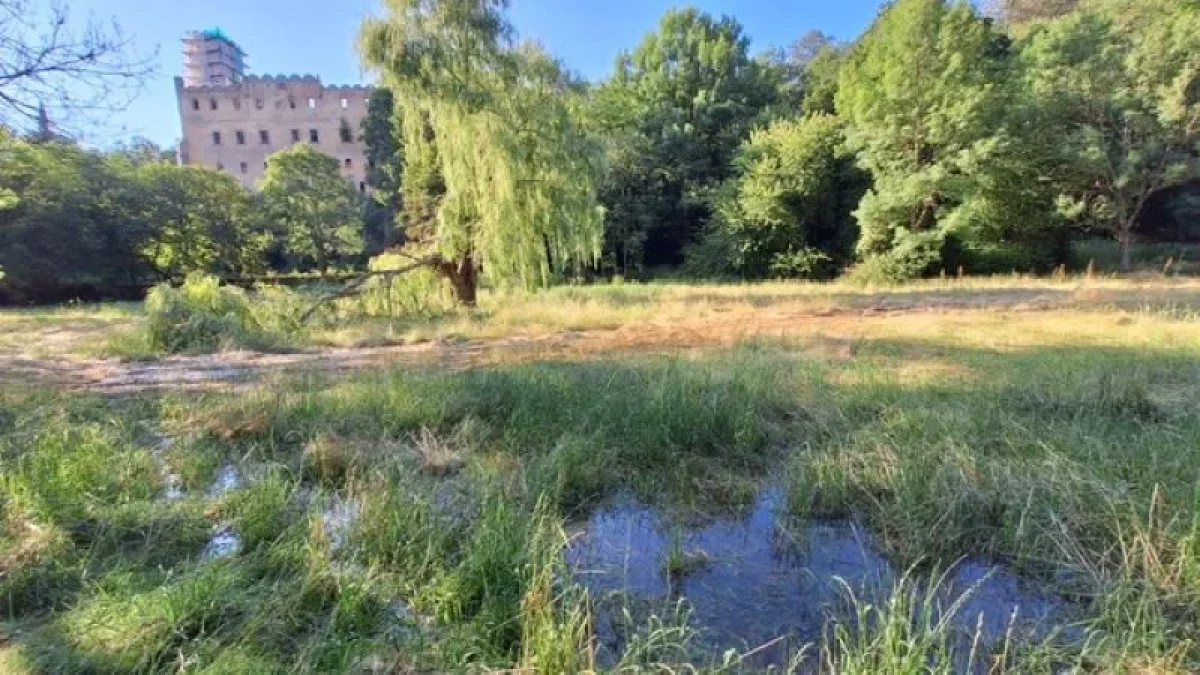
(944,138)
(941,139)
(81,224)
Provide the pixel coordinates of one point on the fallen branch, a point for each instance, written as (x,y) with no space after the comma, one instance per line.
(356,286)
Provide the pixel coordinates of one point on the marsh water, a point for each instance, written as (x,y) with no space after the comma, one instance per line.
(753,584)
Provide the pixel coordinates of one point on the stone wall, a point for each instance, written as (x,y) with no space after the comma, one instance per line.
(235,128)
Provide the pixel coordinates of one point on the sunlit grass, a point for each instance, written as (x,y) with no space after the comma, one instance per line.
(1065,441)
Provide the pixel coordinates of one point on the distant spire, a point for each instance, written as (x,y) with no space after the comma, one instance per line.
(44,132)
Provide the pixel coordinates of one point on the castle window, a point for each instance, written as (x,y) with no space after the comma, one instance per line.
(362,187)
(264,137)
(240,136)
(195,104)
(348,163)
(345,104)
(295,135)
(291,103)
(345,131)
(216,138)
(212,103)
(312,103)
(258,103)
(237,104)
(313,137)
(245,168)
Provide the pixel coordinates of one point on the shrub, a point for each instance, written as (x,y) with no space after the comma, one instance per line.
(202,315)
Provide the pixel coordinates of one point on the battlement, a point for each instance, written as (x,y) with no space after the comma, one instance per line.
(280,81)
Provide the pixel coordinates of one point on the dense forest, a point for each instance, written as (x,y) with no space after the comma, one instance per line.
(945,138)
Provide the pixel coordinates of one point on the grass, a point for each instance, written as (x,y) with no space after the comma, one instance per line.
(1065,442)
(268,323)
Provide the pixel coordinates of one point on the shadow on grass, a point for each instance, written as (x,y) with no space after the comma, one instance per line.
(1077,463)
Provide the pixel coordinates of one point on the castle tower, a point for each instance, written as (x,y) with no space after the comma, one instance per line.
(210,58)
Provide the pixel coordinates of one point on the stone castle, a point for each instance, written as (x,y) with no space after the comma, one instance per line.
(232,122)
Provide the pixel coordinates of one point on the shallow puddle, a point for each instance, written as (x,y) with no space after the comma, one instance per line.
(750,582)
(227,479)
(337,518)
(224,543)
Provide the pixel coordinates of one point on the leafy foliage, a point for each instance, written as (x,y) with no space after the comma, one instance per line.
(84,224)
(507,173)
(930,113)
(202,221)
(381,131)
(304,192)
(1121,83)
(74,229)
(788,213)
(203,315)
(689,94)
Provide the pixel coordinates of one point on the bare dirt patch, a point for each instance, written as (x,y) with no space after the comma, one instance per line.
(831,331)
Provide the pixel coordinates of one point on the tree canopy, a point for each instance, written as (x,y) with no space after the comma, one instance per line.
(788,212)
(688,96)
(494,126)
(316,207)
(1122,87)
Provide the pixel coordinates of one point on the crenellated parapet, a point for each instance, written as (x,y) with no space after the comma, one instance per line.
(277,82)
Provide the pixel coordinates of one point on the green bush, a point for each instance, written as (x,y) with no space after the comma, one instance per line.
(202,316)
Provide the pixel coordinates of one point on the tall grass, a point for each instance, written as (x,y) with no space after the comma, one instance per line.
(1067,447)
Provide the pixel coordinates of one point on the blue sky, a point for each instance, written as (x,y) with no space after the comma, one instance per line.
(317,36)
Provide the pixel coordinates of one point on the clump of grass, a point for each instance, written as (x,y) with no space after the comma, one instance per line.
(202,315)
(908,633)
(680,562)
(556,624)
(662,638)
(438,455)
(328,459)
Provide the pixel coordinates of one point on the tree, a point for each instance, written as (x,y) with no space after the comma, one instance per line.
(1019,12)
(50,68)
(821,74)
(789,211)
(304,192)
(507,175)
(385,164)
(200,220)
(925,96)
(693,93)
(792,65)
(141,151)
(1123,82)
(73,227)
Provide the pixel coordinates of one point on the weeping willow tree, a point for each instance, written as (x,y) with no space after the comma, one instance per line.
(499,179)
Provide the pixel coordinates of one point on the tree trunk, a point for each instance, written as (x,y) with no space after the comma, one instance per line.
(1125,239)
(463,278)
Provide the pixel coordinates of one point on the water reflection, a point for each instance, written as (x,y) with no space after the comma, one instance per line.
(750,581)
